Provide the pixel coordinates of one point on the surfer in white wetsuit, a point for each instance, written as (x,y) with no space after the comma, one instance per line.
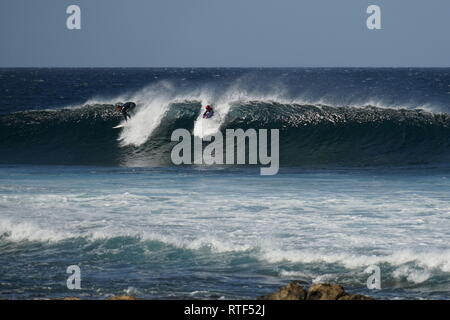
(124,108)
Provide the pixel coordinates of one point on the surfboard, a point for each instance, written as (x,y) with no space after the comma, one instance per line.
(119,126)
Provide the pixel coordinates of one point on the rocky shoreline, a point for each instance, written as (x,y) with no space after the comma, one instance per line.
(318,291)
(292,291)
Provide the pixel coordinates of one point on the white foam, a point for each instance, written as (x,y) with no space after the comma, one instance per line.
(311,224)
(295,274)
(27,231)
(132,291)
(211,243)
(439,259)
(324,278)
(412,274)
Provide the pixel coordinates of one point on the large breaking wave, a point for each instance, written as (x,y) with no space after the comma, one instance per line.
(311,134)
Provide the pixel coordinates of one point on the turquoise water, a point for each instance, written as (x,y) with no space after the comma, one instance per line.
(186,232)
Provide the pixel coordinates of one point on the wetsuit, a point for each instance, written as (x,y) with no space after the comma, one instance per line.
(126,107)
(208,114)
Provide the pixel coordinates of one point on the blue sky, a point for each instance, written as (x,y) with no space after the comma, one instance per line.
(225,33)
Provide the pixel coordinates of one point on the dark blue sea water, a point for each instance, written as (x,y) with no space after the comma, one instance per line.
(364,180)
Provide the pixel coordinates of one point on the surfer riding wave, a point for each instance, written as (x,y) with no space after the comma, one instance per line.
(125,108)
(208,113)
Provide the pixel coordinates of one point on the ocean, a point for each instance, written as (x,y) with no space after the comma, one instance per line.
(364,180)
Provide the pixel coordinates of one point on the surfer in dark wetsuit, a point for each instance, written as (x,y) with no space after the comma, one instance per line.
(124,108)
(208,113)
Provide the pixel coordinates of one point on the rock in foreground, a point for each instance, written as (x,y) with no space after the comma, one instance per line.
(292,291)
(318,291)
(325,291)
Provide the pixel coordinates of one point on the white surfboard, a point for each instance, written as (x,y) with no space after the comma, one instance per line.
(119,126)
